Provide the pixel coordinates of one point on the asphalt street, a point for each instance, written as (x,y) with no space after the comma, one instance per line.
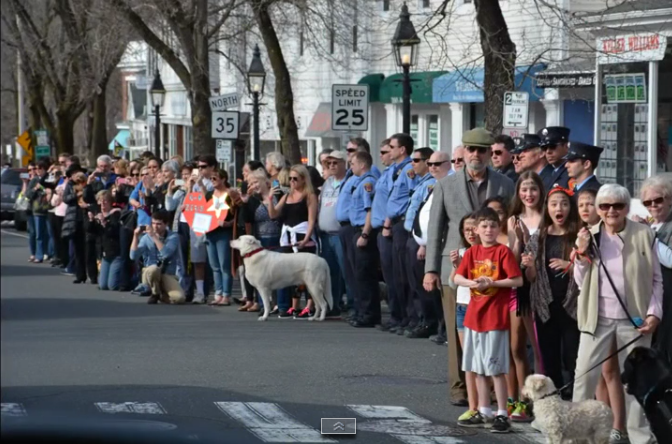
(211,374)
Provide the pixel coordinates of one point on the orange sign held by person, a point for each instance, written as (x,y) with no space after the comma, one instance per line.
(204,216)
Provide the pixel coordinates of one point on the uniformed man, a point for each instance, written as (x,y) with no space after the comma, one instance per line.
(502,160)
(532,158)
(401,148)
(418,326)
(581,162)
(554,140)
(367,295)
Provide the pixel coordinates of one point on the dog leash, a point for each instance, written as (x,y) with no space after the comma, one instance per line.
(558,391)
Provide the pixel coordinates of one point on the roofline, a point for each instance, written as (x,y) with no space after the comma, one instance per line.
(589,22)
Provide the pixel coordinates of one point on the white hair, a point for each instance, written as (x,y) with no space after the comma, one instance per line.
(659,183)
(104,159)
(276,159)
(613,191)
(171,165)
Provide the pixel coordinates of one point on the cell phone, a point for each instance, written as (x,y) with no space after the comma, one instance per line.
(276,183)
(143,228)
(179,182)
(243,188)
(24,176)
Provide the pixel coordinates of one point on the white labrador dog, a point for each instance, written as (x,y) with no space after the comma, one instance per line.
(268,270)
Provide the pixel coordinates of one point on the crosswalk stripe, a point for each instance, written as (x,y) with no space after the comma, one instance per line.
(149,408)
(12,409)
(270,423)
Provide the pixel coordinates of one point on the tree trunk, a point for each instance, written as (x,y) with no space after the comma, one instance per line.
(499,55)
(201,114)
(65,135)
(284,98)
(98,142)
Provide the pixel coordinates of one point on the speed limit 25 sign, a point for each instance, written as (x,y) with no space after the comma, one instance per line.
(350,107)
(225,124)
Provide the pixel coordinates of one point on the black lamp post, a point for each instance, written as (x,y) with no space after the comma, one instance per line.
(158,95)
(256,80)
(404,43)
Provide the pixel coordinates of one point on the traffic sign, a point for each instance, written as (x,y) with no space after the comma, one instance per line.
(224,151)
(516,109)
(350,107)
(222,103)
(514,132)
(225,124)
(25,142)
(42,151)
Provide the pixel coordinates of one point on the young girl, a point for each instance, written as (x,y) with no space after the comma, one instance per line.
(610,388)
(553,291)
(469,237)
(498,203)
(526,214)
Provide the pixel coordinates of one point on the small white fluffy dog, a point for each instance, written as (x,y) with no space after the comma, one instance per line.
(268,270)
(561,421)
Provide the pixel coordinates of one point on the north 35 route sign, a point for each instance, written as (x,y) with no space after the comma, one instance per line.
(350,107)
(225,124)
(516,107)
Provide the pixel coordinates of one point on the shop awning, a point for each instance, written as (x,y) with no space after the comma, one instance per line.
(466,85)
(120,141)
(320,124)
(375,81)
(421,87)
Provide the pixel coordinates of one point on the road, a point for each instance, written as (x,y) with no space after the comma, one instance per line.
(206,372)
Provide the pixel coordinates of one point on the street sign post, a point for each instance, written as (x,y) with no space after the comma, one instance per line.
(42,149)
(222,103)
(225,125)
(516,109)
(224,151)
(350,107)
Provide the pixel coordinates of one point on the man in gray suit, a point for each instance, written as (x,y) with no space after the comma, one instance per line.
(456,196)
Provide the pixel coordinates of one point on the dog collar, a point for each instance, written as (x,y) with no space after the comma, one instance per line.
(253,252)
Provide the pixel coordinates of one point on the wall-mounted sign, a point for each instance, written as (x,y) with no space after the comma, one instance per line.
(577,80)
(625,88)
(636,47)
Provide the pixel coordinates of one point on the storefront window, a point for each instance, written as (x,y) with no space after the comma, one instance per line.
(433,131)
(188,143)
(414,128)
(172,140)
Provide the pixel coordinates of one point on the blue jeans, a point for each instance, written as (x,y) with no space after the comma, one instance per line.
(70,268)
(282,295)
(332,252)
(111,270)
(50,238)
(41,237)
(219,257)
(31,234)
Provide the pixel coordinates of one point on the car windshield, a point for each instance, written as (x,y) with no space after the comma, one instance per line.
(11,177)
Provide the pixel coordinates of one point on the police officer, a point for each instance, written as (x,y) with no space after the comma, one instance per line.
(581,162)
(531,157)
(554,140)
(401,147)
(367,297)
(417,327)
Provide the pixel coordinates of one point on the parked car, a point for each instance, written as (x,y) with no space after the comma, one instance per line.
(11,187)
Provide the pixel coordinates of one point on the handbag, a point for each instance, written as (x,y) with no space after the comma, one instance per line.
(22,203)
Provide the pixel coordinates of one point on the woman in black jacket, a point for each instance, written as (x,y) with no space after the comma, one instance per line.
(106,226)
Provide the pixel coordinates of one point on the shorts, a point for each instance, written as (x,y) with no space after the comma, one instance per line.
(197,251)
(513,302)
(486,353)
(460,313)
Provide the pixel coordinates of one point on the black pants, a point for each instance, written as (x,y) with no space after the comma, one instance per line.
(385,248)
(85,254)
(399,239)
(559,344)
(61,247)
(367,291)
(427,308)
(345,234)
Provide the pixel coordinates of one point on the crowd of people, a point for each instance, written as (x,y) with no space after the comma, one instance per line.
(508,246)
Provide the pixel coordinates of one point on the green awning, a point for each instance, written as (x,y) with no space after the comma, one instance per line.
(375,81)
(421,87)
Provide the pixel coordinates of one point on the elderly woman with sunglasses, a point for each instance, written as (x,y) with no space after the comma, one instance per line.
(618,272)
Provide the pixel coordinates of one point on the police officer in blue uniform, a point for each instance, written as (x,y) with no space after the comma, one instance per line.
(367,297)
(581,162)
(532,158)
(554,140)
(405,180)
(416,313)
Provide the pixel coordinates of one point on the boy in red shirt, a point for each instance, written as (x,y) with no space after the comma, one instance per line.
(490,270)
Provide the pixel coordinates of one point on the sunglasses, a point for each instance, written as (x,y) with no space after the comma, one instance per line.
(497,152)
(416,160)
(619,206)
(480,149)
(382,153)
(351,150)
(657,201)
(436,164)
(135,175)
(293,179)
(457,160)
(202,167)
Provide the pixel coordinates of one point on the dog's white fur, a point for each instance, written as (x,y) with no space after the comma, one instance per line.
(268,270)
(562,421)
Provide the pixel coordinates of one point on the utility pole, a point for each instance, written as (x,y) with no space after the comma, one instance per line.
(21,108)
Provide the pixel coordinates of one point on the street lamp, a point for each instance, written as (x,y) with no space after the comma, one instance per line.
(256,80)
(404,43)
(158,95)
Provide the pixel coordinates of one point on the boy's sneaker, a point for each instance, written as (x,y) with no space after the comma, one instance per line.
(305,314)
(500,425)
(618,437)
(474,420)
(289,314)
(521,413)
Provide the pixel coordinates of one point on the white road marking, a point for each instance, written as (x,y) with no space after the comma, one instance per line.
(146,408)
(410,439)
(270,423)
(11,233)
(12,409)
(388,412)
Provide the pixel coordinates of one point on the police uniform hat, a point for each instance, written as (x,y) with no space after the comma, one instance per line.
(478,137)
(526,142)
(583,151)
(552,135)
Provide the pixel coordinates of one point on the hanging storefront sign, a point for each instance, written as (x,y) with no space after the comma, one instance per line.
(576,80)
(635,47)
(625,88)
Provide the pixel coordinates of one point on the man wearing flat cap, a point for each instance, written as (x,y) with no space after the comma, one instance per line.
(581,161)
(554,140)
(455,196)
(533,158)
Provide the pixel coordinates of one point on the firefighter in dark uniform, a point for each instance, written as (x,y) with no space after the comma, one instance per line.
(554,140)
(581,162)
(532,158)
